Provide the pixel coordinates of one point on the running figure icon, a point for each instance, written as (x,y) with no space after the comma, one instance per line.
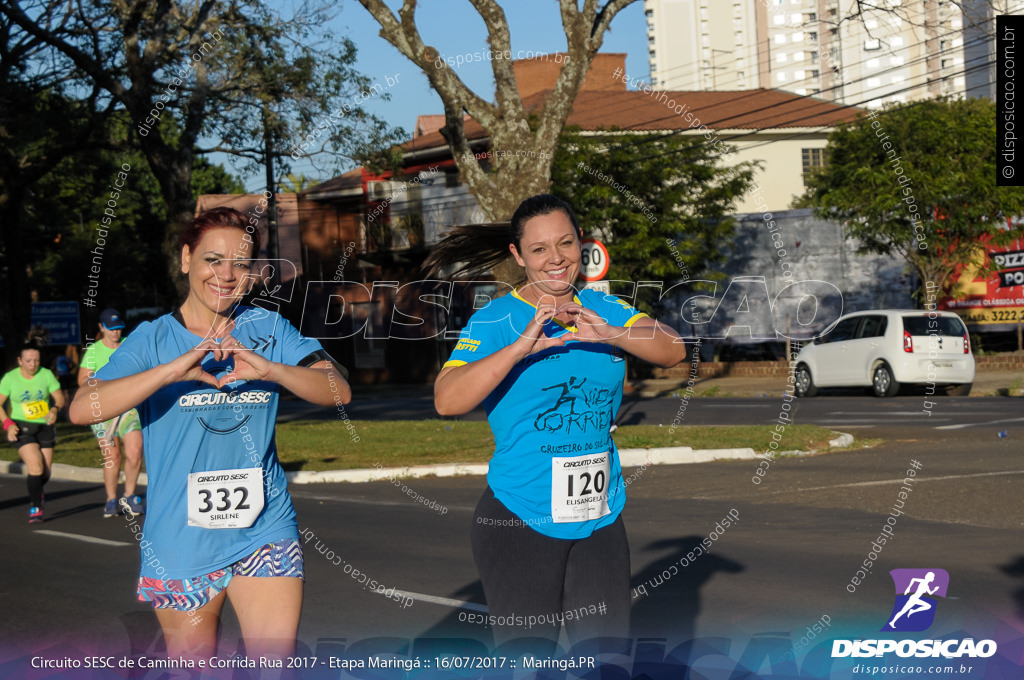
(915,604)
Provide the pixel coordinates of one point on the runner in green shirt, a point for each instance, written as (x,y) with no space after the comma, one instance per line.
(36,398)
(125,427)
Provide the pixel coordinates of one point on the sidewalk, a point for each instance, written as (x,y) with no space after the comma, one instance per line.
(986,384)
(629,458)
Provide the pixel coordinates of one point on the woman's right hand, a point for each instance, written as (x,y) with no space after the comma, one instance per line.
(533,339)
(189,365)
(12,432)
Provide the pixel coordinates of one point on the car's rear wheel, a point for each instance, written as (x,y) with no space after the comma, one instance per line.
(883,384)
(961,390)
(803,384)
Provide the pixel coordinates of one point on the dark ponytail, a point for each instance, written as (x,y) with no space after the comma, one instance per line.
(473,249)
(470,250)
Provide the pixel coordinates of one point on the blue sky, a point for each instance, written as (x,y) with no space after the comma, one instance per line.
(454,28)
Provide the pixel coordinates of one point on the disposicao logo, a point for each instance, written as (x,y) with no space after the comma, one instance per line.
(914,611)
(916,590)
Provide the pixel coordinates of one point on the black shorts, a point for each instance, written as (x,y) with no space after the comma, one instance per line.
(36,433)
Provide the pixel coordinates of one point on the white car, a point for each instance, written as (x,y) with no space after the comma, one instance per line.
(887,348)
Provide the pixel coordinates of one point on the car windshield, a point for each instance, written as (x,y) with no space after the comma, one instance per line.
(942,325)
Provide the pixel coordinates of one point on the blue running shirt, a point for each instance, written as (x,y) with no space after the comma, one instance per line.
(192,427)
(551,417)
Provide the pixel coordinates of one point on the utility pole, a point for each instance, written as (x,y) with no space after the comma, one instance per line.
(273,252)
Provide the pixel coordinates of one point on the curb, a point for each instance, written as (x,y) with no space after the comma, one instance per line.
(673,455)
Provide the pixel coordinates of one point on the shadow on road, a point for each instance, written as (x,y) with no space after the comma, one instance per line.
(52,496)
(452,627)
(1016,569)
(672,603)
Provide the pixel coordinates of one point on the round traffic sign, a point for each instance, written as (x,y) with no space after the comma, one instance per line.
(595,260)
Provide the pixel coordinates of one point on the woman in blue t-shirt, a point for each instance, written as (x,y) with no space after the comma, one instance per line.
(205,380)
(547,362)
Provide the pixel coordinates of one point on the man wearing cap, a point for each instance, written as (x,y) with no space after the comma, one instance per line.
(125,427)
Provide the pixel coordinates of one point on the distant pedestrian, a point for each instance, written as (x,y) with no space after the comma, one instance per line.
(36,399)
(123,431)
(65,367)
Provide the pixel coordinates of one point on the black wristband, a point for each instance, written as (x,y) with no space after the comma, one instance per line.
(320,355)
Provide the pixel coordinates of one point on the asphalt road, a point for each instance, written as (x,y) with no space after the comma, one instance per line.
(801,535)
(839,410)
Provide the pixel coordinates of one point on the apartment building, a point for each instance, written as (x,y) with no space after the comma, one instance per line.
(896,51)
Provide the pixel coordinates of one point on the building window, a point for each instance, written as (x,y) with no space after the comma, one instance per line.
(814,56)
(650,40)
(814,73)
(813,159)
(649,13)
(812,36)
(871,44)
(811,16)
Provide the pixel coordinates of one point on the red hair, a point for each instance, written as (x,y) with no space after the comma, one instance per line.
(218,218)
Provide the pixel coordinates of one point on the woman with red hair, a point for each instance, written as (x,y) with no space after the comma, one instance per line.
(206,380)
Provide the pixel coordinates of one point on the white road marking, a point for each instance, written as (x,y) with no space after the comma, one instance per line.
(874,413)
(900,480)
(364,501)
(79,537)
(989,422)
(445,601)
(874,421)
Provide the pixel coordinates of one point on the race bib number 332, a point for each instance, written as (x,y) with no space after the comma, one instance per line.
(579,487)
(225,499)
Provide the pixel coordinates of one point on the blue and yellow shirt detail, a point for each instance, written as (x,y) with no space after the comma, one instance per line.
(559,403)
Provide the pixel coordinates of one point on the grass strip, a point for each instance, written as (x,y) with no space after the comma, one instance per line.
(327,445)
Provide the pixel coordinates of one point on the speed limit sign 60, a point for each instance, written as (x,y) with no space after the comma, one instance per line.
(595,261)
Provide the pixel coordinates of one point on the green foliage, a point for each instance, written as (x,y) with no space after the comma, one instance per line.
(947,150)
(64,211)
(208,178)
(672,191)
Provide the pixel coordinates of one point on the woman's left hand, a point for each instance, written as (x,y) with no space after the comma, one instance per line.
(590,326)
(248,365)
(51,417)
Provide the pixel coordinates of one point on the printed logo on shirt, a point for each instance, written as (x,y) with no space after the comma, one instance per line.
(577,409)
(468,345)
(263,344)
(218,398)
(227,424)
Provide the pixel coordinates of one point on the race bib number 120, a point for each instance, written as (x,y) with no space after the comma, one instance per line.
(225,499)
(579,488)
